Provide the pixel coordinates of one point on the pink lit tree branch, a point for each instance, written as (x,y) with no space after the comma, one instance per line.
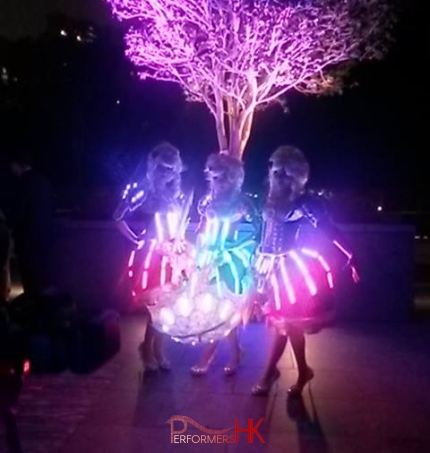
(240,55)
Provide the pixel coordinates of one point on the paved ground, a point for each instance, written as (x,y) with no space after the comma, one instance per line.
(370,394)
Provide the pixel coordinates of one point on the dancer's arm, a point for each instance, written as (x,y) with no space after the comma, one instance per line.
(132,198)
(316,212)
(250,216)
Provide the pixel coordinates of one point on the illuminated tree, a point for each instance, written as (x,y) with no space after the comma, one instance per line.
(240,55)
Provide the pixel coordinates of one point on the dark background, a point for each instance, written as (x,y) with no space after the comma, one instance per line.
(77,103)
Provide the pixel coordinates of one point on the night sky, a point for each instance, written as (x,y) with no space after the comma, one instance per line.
(21,18)
(370,136)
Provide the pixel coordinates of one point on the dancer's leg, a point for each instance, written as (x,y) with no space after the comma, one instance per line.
(298,344)
(236,352)
(271,373)
(205,361)
(159,354)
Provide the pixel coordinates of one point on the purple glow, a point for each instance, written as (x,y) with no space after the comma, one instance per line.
(159,227)
(305,272)
(343,249)
(310,252)
(323,263)
(164,262)
(287,281)
(250,53)
(131,259)
(147,264)
(326,267)
(275,285)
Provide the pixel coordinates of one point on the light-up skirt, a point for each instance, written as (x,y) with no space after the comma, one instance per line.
(296,287)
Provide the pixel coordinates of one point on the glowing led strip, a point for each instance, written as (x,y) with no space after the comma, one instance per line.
(343,249)
(146,265)
(163,270)
(287,281)
(304,270)
(323,263)
(275,285)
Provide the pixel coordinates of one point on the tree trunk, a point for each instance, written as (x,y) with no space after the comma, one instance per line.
(239,133)
(233,127)
(234,148)
(220,123)
(245,129)
(221,135)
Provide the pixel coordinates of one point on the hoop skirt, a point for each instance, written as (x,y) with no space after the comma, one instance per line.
(297,287)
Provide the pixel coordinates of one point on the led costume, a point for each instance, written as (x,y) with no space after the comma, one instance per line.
(211,303)
(295,272)
(222,211)
(156,202)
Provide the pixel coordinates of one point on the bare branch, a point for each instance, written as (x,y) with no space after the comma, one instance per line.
(248,53)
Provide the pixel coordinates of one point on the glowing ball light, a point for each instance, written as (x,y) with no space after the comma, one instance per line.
(197,312)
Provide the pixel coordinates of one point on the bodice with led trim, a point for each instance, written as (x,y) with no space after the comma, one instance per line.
(160,216)
(220,221)
(282,223)
(298,273)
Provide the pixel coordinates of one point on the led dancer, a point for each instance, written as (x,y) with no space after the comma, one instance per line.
(295,267)
(220,249)
(155,200)
(212,303)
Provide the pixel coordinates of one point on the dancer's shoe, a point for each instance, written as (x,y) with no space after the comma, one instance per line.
(297,389)
(202,369)
(231,368)
(263,389)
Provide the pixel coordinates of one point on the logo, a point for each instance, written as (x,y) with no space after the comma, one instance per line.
(212,436)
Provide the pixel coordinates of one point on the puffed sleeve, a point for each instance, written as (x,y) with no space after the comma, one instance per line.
(315,210)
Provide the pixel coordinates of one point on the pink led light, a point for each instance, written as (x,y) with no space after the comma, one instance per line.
(172,222)
(281,46)
(287,282)
(131,259)
(149,256)
(309,252)
(330,280)
(163,270)
(304,270)
(264,265)
(342,249)
(145,279)
(147,264)
(276,294)
(326,267)
(26,367)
